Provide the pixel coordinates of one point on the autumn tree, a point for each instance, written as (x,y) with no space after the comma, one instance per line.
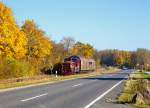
(58,53)
(96,57)
(85,50)
(38,45)
(13,50)
(115,58)
(122,57)
(107,57)
(133,59)
(12,39)
(118,57)
(143,58)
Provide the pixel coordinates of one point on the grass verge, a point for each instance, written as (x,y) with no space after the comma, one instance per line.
(18,82)
(136,91)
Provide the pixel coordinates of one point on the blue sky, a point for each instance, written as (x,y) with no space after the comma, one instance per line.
(106,24)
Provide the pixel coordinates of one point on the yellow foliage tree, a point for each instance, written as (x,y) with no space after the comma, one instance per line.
(12,39)
(85,50)
(38,45)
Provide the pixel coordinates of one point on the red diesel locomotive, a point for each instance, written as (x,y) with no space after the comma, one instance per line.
(76,64)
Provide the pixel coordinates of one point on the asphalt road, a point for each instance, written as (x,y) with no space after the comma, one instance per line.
(78,93)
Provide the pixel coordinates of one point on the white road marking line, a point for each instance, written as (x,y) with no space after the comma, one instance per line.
(111,75)
(77,85)
(24,100)
(101,96)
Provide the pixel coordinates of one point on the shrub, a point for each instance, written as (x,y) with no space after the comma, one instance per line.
(12,68)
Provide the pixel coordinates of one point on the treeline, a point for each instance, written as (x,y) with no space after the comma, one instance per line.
(139,59)
(27,50)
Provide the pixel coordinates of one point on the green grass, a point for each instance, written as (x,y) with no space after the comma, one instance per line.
(139,75)
(147,76)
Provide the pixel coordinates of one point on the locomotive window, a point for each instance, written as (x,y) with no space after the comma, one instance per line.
(74,60)
(90,63)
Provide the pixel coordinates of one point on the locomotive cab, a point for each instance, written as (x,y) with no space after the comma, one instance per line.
(75,64)
(71,65)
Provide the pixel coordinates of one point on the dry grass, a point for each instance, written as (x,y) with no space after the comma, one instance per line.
(17,82)
(135,84)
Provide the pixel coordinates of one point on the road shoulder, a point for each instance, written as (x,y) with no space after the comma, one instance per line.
(107,100)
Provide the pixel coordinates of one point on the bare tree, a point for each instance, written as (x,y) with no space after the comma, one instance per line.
(68,43)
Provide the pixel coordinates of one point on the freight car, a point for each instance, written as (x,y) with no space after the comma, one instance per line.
(76,64)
